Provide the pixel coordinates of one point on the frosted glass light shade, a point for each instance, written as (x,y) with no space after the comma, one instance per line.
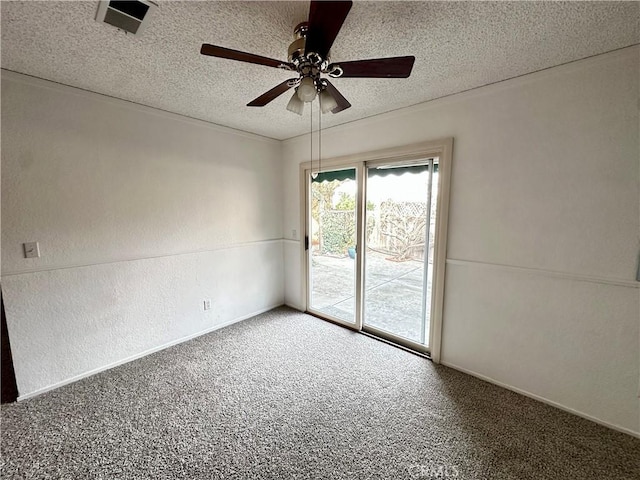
(327,102)
(295,105)
(307,90)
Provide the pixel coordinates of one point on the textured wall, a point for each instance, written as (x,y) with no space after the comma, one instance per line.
(140,215)
(543,229)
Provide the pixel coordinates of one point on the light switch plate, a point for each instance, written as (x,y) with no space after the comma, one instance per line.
(31,250)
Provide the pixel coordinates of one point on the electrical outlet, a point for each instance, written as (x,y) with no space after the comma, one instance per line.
(207,304)
(31,250)
(294,234)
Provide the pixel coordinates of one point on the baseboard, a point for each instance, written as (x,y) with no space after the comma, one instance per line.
(294,306)
(543,400)
(142,354)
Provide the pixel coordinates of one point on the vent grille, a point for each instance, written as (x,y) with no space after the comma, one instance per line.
(129,16)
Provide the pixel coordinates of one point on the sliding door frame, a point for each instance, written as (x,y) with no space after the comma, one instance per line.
(378,332)
(443,149)
(306,245)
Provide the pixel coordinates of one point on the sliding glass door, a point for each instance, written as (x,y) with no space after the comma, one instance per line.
(374,247)
(400,228)
(331,242)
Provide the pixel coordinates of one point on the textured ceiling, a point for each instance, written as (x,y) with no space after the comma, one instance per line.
(457,45)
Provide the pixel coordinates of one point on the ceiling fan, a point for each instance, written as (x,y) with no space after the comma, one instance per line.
(309,57)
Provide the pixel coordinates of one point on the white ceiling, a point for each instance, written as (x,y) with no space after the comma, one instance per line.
(457,45)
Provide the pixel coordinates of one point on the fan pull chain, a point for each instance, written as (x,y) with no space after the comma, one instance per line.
(319,134)
(313,174)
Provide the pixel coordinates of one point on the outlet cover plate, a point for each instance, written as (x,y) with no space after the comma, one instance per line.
(31,250)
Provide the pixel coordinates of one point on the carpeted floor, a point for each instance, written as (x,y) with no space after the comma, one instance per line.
(285,395)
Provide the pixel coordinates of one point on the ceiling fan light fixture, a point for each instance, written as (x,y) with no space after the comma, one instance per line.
(307,90)
(327,102)
(295,105)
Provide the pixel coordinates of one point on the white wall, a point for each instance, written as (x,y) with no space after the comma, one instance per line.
(140,215)
(544,229)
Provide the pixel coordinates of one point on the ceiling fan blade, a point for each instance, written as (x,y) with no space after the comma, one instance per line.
(325,21)
(342,102)
(393,67)
(221,52)
(272,94)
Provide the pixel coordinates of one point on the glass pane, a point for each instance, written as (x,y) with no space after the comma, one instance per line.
(398,212)
(332,245)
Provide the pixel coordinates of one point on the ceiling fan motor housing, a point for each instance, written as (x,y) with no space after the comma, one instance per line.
(297,47)
(307,64)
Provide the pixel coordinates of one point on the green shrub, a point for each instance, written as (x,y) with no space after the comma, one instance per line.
(338,231)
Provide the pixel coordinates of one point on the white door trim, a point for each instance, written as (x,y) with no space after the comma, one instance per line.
(443,149)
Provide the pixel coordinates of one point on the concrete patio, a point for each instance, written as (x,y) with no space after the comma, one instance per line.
(393,292)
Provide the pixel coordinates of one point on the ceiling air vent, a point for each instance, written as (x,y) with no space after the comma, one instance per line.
(132,16)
